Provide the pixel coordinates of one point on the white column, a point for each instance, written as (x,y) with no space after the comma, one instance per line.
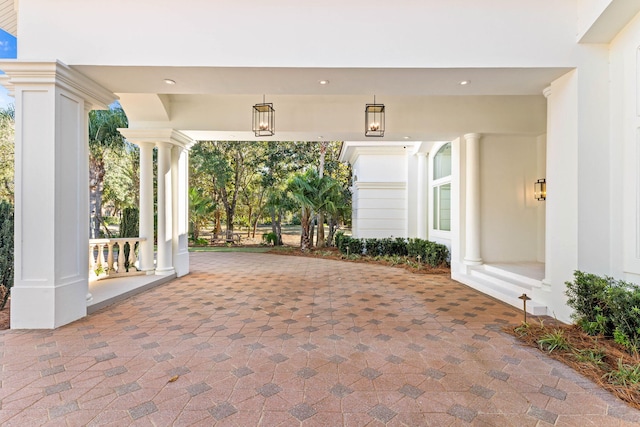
(422,199)
(146,207)
(472,200)
(180,194)
(165,210)
(51,192)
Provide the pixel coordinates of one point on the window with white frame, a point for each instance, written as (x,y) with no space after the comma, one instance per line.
(441,185)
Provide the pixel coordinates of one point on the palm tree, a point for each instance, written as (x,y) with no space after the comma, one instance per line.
(201,209)
(312,193)
(103,136)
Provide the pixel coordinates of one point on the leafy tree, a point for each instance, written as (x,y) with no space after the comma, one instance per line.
(201,209)
(7,153)
(103,138)
(6,251)
(122,178)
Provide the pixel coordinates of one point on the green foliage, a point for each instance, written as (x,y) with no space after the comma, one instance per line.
(7,153)
(587,296)
(593,356)
(523,330)
(625,375)
(129,228)
(270,238)
(554,341)
(338,238)
(422,251)
(6,249)
(606,306)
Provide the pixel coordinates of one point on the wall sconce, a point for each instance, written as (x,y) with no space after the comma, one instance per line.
(374,119)
(264,119)
(540,189)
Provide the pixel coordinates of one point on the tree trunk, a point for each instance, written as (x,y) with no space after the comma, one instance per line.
(305,236)
(320,239)
(255,227)
(332,231)
(217,227)
(249,222)
(98,206)
(279,228)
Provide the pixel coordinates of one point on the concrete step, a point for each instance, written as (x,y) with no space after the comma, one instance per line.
(536,283)
(497,276)
(503,291)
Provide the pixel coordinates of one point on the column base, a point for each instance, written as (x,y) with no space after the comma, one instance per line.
(165,271)
(181,263)
(477,261)
(48,307)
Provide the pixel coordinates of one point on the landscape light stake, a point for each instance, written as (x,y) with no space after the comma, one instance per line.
(524,299)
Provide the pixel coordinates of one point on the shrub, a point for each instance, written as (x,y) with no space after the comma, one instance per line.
(270,238)
(356,246)
(6,250)
(606,306)
(338,238)
(373,247)
(587,296)
(554,341)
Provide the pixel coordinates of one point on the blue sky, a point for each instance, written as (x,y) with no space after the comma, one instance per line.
(8,49)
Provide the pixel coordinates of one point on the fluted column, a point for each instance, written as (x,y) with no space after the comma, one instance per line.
(422,199)
(146,207)
(472,199)
(165,210)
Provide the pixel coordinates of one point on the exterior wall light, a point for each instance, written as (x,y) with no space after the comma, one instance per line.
(374,119)
(264,119)
(540,189)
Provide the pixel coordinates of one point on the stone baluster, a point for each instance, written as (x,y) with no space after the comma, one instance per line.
(121,268)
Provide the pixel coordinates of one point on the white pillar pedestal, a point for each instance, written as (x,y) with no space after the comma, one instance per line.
(472,200)
(422,199)
(146,253)
(51,191)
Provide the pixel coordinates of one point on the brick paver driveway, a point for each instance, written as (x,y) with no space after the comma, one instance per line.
(258,339)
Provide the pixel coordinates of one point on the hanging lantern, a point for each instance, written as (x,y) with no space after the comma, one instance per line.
(374,119)
(264,119)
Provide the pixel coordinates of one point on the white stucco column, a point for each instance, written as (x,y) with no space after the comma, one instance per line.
(146,253)
(472,200)
(422,199)
(180,213)
(165,210)
(51,191)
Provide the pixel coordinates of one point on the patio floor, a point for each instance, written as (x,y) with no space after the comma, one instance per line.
(258,339)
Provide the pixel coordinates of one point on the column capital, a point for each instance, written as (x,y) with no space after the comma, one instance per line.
(546,91)
(156,136)
(30,73)
(471,136)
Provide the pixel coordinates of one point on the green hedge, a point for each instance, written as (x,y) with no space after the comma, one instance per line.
(427,252)
(606,306)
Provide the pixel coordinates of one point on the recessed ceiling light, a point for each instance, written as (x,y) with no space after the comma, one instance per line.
(169,81)
(320,137)
(406,137)
(324,82)
(464,82)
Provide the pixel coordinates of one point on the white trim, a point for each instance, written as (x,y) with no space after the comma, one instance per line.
(380,185)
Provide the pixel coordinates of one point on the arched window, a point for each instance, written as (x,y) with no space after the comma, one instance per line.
(442,188)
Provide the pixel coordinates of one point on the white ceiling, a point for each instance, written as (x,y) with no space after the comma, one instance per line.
(422,104)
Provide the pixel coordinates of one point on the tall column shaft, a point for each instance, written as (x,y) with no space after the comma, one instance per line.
(146,207)
(165,210)
(472,199)
(180,182)
(422,199)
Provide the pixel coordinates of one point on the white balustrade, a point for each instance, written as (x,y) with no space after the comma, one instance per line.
(103,266)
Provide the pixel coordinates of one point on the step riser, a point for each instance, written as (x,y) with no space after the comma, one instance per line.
(513,276)
(503,282)
(532,307)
